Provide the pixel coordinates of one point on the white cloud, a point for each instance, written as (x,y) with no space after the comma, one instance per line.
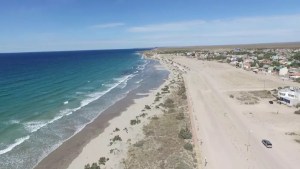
(107,25)
(222,31)
(175,26)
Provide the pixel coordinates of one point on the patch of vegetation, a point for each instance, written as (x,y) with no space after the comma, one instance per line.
(297,56)
(185,134)
(139,143)
(157,98)
(93,166)
(117,138)
(169,103)
(147,107)
(290,133)
(231,96)
(116,129)
(135,121)
(180,116)
(297,140)
(188,146)
(103,160)
(143,115)
(297,112)
(165,89)
(162,147)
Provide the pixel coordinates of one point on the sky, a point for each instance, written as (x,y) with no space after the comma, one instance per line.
(58,25)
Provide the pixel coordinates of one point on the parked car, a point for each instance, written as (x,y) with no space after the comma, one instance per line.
(267,143)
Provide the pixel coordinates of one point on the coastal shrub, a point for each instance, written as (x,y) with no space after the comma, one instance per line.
(185,134)
(180,116)
(135,121)
(231,96)
(143,114)
(103,160)
(165,89)
(298,105)
(157,98)
(95,166)
(147,107)
(139,143)
(116,129)
(297,112)
(157,94)
(181,90)
(188,146)
(87,166)
(117,138)
(169,103)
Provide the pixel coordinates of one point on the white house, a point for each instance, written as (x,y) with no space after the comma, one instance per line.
(289,96)
(283,71)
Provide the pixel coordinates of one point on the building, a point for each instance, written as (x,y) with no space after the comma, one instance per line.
(283,71)
(289,96)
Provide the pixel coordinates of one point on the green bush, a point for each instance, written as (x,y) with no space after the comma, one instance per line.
(147,107)
(117,138)
(87,166)
(95,166)
(188,146)
(169,103)
(157,98)
(165,89)
(185,134)
(117,129)
(103,160)
(135,121)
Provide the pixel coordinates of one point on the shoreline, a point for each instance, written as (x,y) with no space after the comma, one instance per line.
(72,147)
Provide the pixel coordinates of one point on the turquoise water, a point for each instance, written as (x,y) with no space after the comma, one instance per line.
(47,97)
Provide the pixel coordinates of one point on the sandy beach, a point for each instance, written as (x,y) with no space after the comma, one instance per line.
(97,139)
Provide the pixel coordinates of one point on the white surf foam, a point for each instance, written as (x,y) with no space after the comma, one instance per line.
(66,102)
(36,125)
(16,143)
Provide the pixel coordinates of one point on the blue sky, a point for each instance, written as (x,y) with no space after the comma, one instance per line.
(50,25)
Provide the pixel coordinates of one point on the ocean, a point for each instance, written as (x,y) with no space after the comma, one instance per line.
(47,97)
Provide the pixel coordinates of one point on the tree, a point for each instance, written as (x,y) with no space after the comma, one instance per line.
(297,56)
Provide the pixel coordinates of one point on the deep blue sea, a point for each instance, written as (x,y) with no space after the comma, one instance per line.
(47,97)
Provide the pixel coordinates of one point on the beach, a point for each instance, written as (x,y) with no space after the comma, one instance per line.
(93,141)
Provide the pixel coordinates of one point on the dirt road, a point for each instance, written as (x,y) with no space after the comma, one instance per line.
(227,138)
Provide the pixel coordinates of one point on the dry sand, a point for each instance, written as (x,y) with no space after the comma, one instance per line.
(229,132)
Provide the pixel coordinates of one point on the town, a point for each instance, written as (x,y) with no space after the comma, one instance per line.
(282,63)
